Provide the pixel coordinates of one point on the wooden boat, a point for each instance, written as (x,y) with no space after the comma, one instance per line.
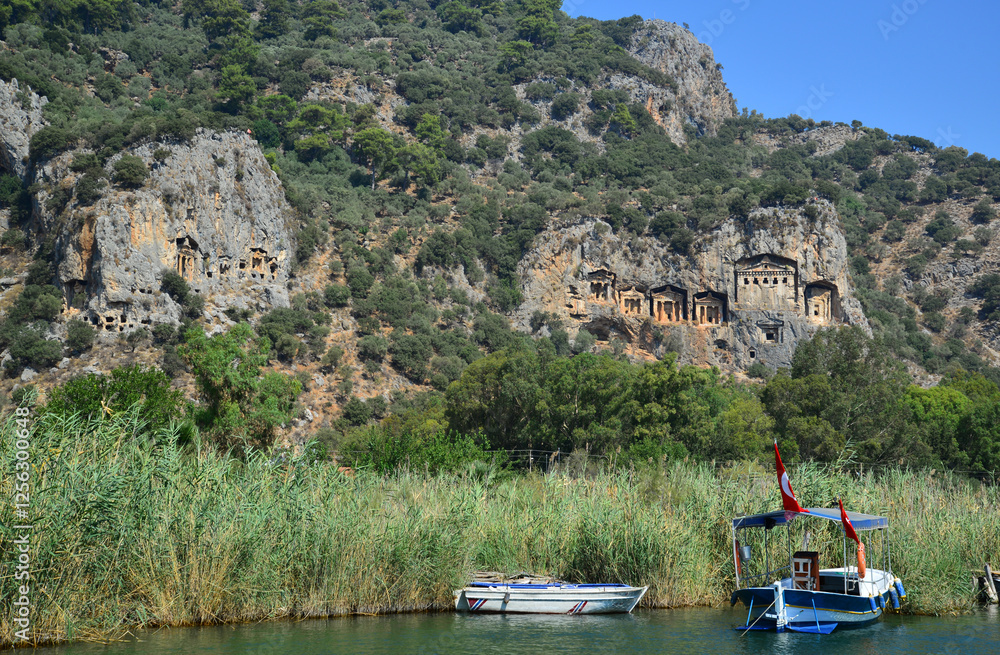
(800,596)
(547,598)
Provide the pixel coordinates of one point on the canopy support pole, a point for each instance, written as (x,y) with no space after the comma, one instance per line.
(736,563)
(767,555)
(846,570)
(788,533)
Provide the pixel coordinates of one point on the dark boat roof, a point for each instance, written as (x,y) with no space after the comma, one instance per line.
(771,519)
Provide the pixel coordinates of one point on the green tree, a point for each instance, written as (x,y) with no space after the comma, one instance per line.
(313,147)
(745,430)
(496,394)
(420,162)
(430,132)
(273,19)
(565,105)
(239,404)
(581,403)
(623,122)
(328,120)
(28,346)
(459,17)
(514,54)
(318,17)
(236,88)
(48,142)
(278,108)
(668,405)
(373,347)
(979,436)
(983,212)
(537,24)
(935,417)
(866,385)
(124,388)
(130,171)
(376,148)
(219,18)
(79,335)
(172,284)
(136,338)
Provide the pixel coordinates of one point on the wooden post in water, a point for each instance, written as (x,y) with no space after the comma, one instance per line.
(990,587)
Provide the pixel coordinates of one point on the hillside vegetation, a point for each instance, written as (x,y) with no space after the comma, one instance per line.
(425,148)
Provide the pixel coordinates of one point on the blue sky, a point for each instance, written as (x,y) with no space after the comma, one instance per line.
(923,67)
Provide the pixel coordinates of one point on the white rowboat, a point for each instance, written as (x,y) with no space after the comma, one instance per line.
(553,598)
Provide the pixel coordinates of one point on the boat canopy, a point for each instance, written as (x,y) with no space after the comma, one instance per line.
(771,519)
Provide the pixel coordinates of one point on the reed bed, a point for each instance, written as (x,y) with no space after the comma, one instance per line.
(131,529)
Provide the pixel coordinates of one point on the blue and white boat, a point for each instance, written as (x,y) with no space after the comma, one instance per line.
(800,595)
(547,598)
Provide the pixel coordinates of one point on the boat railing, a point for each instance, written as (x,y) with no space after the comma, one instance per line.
(765,578)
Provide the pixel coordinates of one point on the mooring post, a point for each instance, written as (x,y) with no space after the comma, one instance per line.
(990,587)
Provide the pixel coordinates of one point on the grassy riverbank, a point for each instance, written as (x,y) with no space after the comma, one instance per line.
(132,532)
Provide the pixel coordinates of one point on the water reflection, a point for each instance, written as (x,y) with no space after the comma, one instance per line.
(676,631)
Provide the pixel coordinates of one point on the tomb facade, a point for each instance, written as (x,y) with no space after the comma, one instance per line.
(771,331)
(822,302)
(668,304)
(187,255)
(767,281)
(632,302)
(601,286)
(709,308)
(575,302)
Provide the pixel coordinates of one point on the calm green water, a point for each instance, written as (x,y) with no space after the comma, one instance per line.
(678,631)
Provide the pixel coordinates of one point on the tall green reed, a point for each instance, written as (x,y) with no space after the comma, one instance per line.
(133,529)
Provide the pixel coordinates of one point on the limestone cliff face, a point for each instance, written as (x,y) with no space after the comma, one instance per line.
(749,292)
(701,99)
(20,118)
(213,211)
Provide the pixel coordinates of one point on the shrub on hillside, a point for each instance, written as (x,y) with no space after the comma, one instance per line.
(149,389)
(79,336)
(130,171)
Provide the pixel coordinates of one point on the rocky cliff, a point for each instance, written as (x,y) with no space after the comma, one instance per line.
(20,118)
(701,98)
(749,291)
(212,210)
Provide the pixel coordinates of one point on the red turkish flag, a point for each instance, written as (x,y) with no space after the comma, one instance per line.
(788,500)
(848,526)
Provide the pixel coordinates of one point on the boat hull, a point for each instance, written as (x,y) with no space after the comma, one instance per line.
(800,612)
(548,599)
(813,611)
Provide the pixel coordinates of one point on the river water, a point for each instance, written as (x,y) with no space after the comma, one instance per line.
(649,631)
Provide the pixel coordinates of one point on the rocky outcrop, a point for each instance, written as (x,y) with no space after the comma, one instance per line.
(749,292)
(212,210)
(828,139)
(20,118)
(701,98)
